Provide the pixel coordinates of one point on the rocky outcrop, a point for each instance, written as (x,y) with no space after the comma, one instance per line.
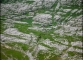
(43,18)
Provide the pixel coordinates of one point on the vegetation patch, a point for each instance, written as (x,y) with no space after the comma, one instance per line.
(29,20)
(2,28)
(47,56)
(12,54)
(23,46)
(73,53)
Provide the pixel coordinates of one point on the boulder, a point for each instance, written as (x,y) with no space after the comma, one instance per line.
(57,17)
(43,18)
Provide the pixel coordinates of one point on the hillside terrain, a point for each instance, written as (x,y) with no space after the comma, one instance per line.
(41,30)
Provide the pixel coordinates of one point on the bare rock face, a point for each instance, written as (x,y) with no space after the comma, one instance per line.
(47,29)
(57,17)
(74,26)
(43,18)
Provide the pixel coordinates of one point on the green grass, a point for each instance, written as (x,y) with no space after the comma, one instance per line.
(54,5)
(3,56)
(30,2)
(23,46)
(2,17)
(40,10)
(24,28)
(65,16)
(73,53)
(78,47)
(2,29)
(42,56)
(73,38)
(68,38)
(27,20)
(72,7)
(2,25)
(27,14)
(76,15)
(15,54)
